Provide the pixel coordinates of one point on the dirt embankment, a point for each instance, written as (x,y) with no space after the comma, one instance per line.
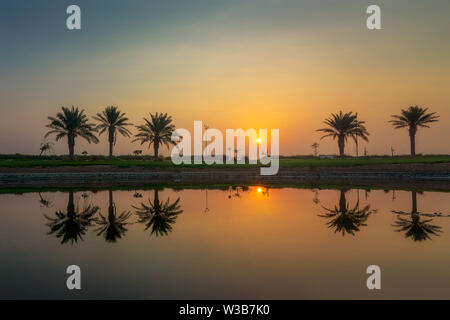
(421,176)
(443,168)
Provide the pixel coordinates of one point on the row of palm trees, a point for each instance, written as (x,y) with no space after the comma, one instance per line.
(347,125)
(157,131)
(72,123)
(72,224)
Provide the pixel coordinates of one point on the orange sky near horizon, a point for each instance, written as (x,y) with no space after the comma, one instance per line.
(246,65)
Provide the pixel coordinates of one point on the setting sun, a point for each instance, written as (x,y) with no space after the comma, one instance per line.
(258,140)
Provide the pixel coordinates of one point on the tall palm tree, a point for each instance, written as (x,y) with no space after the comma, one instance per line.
(342,126)
(71,123)
(113,226)
(345,219)
(157,131)
(416,229)
(72,224)
(158,215)
(413,118)
(114,121)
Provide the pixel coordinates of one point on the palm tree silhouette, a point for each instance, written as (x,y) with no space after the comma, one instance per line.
(114,121)
(343,219)
(72,224)
(157,131)
(413,118)
(113,226)
(46,147)
(158,216)
(71,123)
(416,229)
(343,126)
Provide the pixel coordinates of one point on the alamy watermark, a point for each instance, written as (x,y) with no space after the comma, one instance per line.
(373,22)
(213,153)
(374,280)
(74,280)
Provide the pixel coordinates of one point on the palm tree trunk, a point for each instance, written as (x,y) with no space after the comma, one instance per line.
(155,149)
(342,201)
(341,144)
(70,205)
(111,205)
(413,202)
(412,137)
(71,142)
(111,142)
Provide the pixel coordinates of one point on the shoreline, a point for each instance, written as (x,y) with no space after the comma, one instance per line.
(421,176)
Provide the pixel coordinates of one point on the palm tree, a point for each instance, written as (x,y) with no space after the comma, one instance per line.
(114,121)
(113,226)
(72,224)
(344,219)
(413,118)
(71,123)
(157,131)
(342,126)
(157,215)
(416,229)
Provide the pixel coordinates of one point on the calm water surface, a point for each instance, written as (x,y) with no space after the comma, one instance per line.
(235,243)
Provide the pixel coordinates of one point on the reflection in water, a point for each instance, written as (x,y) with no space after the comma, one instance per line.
(416,229)
(113,226)
(46,203)
(214,255)
(72,224)
(235,191)
(316,196)
(160,216)
(157,215)
(346,220)
(137,194)
(206,205)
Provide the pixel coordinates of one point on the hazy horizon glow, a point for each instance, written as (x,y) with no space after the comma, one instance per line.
(230,63)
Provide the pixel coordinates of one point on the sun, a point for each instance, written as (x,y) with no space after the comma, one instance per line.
(258,140)
(259,189)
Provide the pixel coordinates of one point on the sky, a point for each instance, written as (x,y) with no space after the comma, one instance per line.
(282,64)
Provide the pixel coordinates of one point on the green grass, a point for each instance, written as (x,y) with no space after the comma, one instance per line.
(284,163)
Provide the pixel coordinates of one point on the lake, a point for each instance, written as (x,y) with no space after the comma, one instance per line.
(225,243)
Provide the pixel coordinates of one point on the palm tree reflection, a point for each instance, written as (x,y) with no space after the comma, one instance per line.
(416,229)
(344,219)
(113,226)
(157,215)
(72,224)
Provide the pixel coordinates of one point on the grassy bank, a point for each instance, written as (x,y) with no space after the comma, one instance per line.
(284,163)
(218,186)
